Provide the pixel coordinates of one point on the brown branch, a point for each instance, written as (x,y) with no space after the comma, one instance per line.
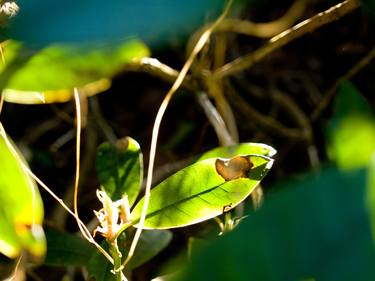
(294,111)
(287,36)
(158,69)
(268,29)
(268,123)
(216,120)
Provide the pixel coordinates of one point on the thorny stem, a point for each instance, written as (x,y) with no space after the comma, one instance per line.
(198,47)
(285,37)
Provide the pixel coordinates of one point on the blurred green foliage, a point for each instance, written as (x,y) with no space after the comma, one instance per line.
(21,207)
(64,249)
(351,131)
(96,21)
(63,67)
(316,227)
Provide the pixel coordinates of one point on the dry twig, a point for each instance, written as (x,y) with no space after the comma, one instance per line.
(285,37)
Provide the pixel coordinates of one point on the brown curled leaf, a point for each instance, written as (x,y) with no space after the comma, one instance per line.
(234,168)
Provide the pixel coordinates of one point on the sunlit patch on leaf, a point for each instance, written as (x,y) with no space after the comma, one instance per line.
(240,149)
(58,96)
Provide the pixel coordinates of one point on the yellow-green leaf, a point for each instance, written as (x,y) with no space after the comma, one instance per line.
(50,74)
(202,191)
(21,208)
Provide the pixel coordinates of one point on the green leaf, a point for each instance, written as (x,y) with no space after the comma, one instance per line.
(317,228)
(99,268)
(42,22)
(240,149)
(351,131)
(370,189)
(150,244)
(21,207)
(64,249)
(353,142)
(350,101)
(369,7)
(120,169)
(64,67)
(202,191)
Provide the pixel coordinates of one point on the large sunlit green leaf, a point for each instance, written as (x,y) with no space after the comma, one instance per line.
(21,208)
(42,22)
(202,191)
(150,244)
(64,249)
(242,148)
(351,131)
(120,169)
(64,67)
(312,229)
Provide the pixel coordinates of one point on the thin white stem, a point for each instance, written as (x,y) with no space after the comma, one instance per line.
(179,80)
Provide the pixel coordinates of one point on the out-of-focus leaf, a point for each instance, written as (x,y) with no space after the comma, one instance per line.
(28,97)
(240,149)
(64,67)
(21,208)
(195,245)
(351,131)
(350,101)
(65,249)
(202,191)
(120,169)
(315,228)
(99,269)
(42,22)
(371,193)
(353,142)
(150,244)
(369,6)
